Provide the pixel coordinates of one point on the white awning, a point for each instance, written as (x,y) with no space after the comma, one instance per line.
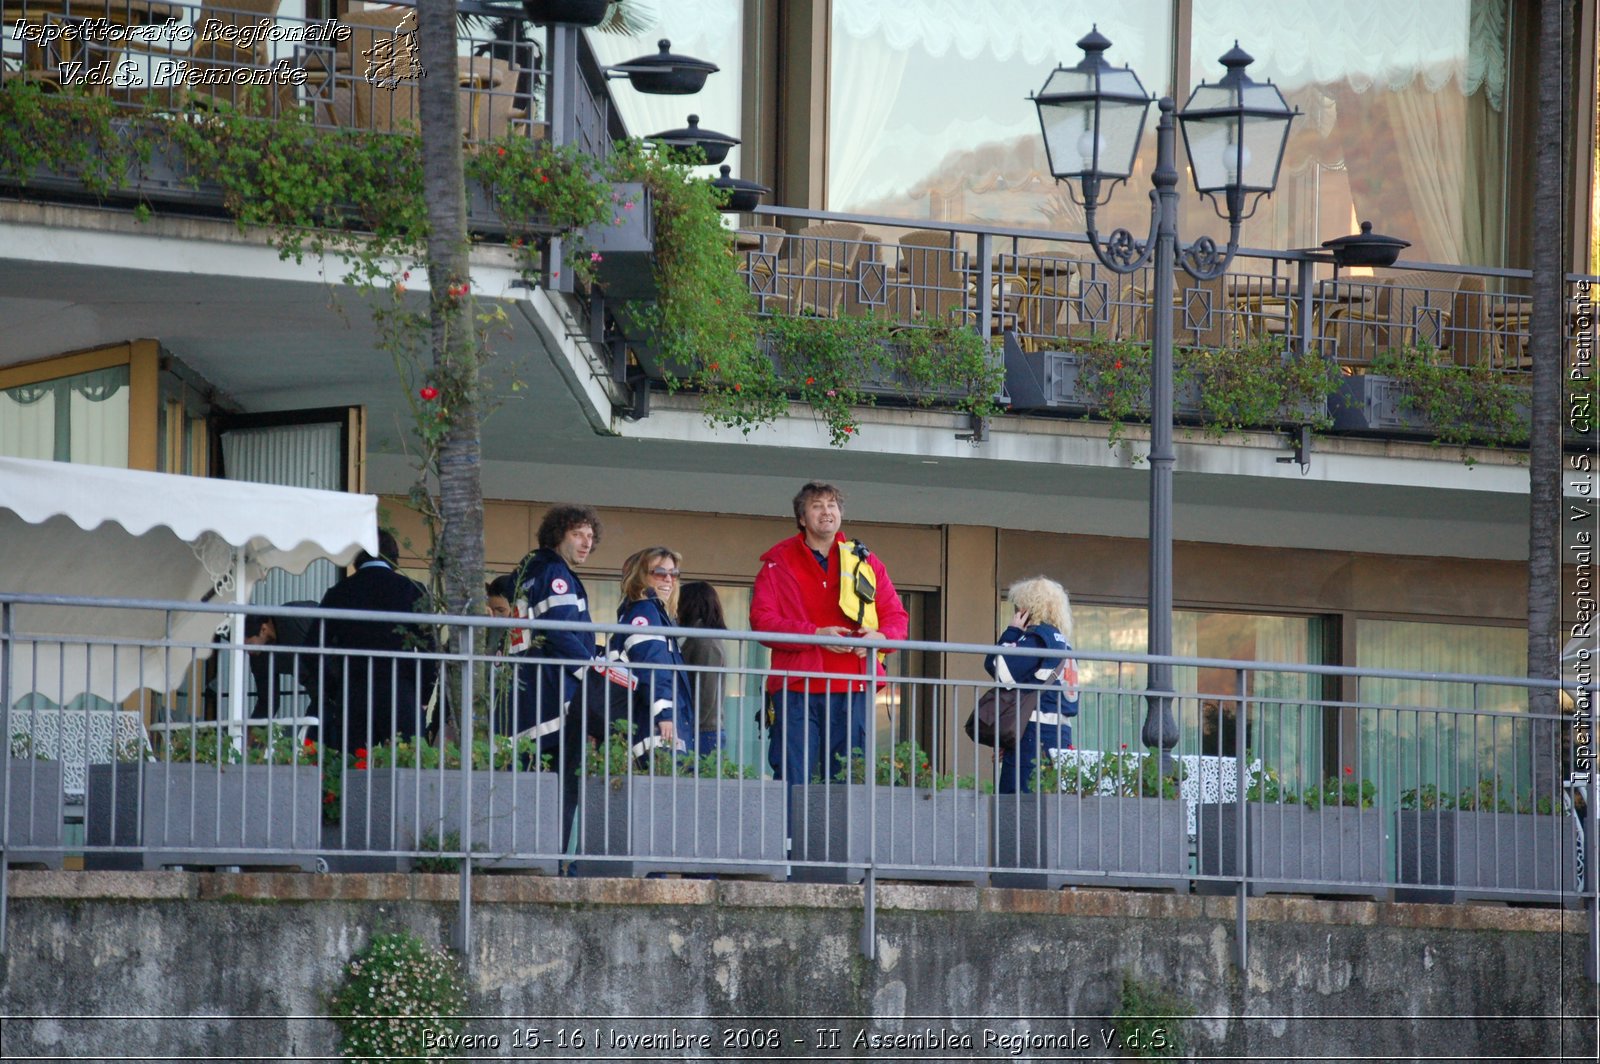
(82,530)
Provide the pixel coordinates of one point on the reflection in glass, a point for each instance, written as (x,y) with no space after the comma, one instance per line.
(1281,728)
(1404,119)
(1454,752)
(712,30)
(928,112)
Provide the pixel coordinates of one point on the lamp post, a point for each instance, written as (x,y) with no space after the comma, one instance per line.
(1092,116)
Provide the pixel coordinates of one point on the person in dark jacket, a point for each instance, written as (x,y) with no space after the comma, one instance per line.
(700,607)
(549,589)
(666,715)
(368,698)
(1042,618)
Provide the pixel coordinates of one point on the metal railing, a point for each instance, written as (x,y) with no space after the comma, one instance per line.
(1048,289)
(356,72)
(1353,782)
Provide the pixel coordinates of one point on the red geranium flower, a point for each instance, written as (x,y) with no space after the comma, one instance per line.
(429,394)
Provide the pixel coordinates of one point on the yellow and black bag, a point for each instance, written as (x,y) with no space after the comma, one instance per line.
(858,584)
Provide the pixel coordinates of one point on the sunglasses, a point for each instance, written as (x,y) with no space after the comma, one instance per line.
(664,573)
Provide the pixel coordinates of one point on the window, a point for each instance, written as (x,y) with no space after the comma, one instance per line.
(97,407)
(712,30)
(79,418)
(1281,727)
(1404,119)
(928,115)
(1451,751)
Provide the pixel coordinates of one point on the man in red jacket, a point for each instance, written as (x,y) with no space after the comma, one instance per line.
(818,694)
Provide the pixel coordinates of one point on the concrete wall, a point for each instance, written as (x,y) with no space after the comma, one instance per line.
(242,965)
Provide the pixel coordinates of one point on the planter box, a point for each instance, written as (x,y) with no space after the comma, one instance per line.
(905,833)
(1290,849)
(516,818)
(1055,839)
(33,822)
(1054,380)
(154,814)
(626,244)
(1485,856)
(684,825)
(1374,403)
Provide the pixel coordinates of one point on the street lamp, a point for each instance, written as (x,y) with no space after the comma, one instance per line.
(1092,116)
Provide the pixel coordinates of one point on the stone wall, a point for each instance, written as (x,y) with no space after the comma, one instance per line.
(230,966)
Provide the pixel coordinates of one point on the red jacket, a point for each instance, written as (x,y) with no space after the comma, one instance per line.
(795,596)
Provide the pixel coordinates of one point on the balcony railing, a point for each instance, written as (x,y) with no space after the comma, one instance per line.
(1290,777)
(359,71)
(1049,290)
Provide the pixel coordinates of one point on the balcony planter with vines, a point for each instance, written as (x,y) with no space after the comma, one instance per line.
(207,802)
(34,813)
(678,813)
(1253,385)
(1486,843)
(911,823)
(1110,820)
(1327,839)
(404,799)
(1414,390)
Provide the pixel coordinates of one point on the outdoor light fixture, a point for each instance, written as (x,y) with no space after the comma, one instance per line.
(742,195)
(665,74)
(1234,132)
(1092,116)
(714,145)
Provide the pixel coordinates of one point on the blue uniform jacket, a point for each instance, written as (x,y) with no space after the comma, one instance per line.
(551,591)
(1060,699)
(657,663)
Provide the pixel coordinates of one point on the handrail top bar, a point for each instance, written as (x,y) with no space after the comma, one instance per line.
(1316,255)
(12,598)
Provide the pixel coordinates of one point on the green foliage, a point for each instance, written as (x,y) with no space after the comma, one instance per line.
(357,198)
(537,188)
(1349,792)
(1126,774)
(1489,796)
(212,744)
(394,990)
(432,850)
(1149,1022)
(1258,384)
(1115,378)
(22,748)
(837,364)
(1252,385)
(614,759)
(498,754)
(1462,404)
(704,316)
(64,132)
(904,765)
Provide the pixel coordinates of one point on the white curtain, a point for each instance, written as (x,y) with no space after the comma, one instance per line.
(28,422)
(82,418)
(1452,751)
(865,78)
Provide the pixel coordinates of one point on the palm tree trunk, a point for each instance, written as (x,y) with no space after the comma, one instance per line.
(458,552)
(1545,348)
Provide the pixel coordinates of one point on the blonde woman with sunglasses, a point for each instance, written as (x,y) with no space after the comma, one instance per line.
(649,602)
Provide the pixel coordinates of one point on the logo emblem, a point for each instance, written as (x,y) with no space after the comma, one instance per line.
(559,586)
(640,621)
